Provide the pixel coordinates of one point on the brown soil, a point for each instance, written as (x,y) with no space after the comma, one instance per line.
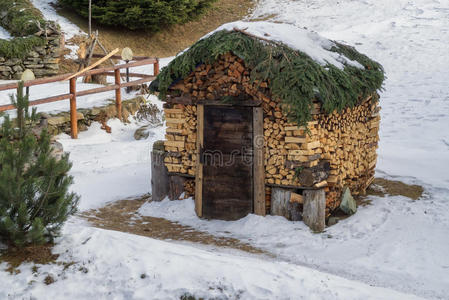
(38,254)
(123,216)
(171,40)
(382,187)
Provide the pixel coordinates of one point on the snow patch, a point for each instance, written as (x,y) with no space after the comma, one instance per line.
(4,34)
(308,42)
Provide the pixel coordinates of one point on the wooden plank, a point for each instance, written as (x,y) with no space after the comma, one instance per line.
(139,75)
(228,181)
(186,100)
(250,103)
(282,206)
(73,116)
(314,211)
(230,130)
(199,166)
(286,186)
(98,90)
(173,111)
(118,94)
(159,176)
(296,140)
(93,65)
(227,187)
(175,121)
(119,57)
(176,186)
(258,165)
(179,144)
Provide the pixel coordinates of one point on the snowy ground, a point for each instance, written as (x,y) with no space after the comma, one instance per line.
(392,246)
(4,34)
(68,28)
(411,40)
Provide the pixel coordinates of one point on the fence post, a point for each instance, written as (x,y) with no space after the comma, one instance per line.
(73,116)
(156,67)
(118,94)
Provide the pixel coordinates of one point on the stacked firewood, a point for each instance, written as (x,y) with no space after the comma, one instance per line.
(349,142)
(189,188)
(180,139)
(333,151)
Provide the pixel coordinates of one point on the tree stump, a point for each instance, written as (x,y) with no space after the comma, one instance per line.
(314,212)
(159,175)
(281,204)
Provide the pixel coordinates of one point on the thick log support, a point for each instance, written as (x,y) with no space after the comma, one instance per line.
(176,186)
(118,94)
(314,212)
(159,175)
(73,116)
(283,204)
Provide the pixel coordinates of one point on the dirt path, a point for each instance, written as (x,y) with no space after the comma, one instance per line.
(123,216)
(172,39)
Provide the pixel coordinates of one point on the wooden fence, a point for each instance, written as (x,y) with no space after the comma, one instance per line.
(73,94)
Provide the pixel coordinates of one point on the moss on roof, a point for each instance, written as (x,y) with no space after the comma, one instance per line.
(294,77)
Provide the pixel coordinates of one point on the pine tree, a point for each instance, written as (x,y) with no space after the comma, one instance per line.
(34,197)
(152,15)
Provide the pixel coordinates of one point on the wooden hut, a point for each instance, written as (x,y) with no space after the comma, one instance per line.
(257,109)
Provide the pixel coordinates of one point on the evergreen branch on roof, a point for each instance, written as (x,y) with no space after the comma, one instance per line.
(293,76)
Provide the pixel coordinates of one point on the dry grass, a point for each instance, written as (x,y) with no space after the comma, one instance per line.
(38,254)
(123,216)
(382,187)
(172,40)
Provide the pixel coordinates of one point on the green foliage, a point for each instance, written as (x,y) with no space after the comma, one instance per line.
(298,171)
(19,47)
(34,196)
(140,14)
(22,18)
(294,77)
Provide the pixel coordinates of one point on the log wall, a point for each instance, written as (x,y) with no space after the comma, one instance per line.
(335,150)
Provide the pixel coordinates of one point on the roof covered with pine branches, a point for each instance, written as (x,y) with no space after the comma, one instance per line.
(299,65)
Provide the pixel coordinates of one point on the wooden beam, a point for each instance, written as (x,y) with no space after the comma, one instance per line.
(73,116)
(100,61)
(135,58)
(314,211)
(250,103)
(186,100)
(118,94)
(258,163)
(199,165)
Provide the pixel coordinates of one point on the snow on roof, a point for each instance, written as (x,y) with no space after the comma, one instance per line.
(306,41)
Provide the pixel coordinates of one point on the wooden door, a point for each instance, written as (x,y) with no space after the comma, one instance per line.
(226,159)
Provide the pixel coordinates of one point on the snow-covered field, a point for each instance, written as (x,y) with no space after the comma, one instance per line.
(394,248)
(4,34)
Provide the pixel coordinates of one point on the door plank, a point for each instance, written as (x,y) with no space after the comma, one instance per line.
(259,170)
(227,162)
(199,165)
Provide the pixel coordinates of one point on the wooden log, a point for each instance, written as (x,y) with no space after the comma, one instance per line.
(258,166)
(100,61)
(176,186)
(281,205)
(73,115)
(296,198)
(159,176)
(310,176)
(314,211)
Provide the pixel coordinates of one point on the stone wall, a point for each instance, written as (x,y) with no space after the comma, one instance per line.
(42,60)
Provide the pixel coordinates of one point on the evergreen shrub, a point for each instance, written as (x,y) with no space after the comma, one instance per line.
(140,14)
(34,197)
(20,17)
(294,77)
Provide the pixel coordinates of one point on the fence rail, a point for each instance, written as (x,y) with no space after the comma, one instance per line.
(114,71)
